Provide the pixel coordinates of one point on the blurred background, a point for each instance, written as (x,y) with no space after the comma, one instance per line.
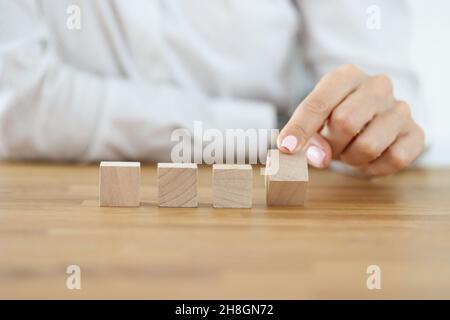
(431,57)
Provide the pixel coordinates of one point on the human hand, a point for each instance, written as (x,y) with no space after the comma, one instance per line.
(355,118)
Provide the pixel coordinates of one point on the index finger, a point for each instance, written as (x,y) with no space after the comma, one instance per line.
(315,109)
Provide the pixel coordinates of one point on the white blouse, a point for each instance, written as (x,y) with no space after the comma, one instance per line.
(135,70)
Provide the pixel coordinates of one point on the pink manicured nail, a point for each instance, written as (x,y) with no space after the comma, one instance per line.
(316,156)
(289,142)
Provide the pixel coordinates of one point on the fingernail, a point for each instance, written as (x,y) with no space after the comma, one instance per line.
(316,156)
(289,142)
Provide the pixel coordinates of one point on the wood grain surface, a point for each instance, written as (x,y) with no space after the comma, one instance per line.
(177,185)
(120,184)
(50,218)
(232,185)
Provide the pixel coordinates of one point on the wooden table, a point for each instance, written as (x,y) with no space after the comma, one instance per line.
(50,219)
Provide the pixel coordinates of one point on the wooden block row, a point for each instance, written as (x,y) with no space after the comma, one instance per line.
(232,184)
(177,185)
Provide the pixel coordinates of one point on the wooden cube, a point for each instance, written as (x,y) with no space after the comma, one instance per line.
(232,186)
(177,185)
(287,187)
(120,184)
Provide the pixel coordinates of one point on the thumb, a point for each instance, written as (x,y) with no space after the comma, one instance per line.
(318,151)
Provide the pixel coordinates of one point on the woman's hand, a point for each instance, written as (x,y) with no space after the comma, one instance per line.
(355,118)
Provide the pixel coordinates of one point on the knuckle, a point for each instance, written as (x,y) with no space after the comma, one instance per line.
(368,149)
(348,69)
(344,123)
(403,108)
(384,83)
(398,159)
(421,134)
(315,105)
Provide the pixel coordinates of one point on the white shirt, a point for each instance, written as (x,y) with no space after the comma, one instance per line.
(136,70)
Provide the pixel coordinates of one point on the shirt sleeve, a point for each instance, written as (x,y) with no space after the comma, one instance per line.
(50,109)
